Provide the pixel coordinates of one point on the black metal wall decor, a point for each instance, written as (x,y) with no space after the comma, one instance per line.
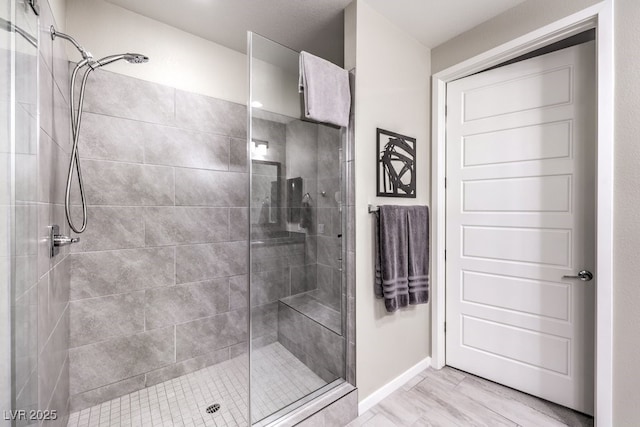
(396,161)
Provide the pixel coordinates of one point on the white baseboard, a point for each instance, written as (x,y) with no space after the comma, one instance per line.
(374,398)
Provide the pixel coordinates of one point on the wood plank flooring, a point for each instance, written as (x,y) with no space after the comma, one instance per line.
(449,397)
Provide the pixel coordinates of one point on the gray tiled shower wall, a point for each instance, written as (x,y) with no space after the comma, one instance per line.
(41,285)
(159,279)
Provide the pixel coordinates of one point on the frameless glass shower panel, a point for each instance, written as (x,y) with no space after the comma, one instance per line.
(296,291)
(5,201)
(18,208)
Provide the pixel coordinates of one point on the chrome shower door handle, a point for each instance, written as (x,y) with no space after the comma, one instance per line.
(583,275)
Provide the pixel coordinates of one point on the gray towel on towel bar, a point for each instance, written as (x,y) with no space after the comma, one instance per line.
(327,97)
(418,231)
(402,256)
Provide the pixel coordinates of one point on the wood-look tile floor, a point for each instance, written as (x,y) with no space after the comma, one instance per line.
(449,397)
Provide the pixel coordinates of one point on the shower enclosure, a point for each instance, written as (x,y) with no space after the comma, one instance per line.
(210,284)
(297,240)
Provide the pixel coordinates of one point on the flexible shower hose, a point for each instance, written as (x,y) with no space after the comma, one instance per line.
(76,120)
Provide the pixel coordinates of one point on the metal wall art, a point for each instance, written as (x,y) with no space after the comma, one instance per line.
(396,161)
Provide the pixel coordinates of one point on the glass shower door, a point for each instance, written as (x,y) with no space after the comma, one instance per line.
(296,197)
(18,209)
(5,202)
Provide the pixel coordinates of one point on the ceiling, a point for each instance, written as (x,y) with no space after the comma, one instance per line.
(313,25)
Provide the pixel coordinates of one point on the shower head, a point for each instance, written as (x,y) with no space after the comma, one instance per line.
(132,58)
(135,58)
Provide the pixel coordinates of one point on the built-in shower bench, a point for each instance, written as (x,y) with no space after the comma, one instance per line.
(314,308)
(312,331)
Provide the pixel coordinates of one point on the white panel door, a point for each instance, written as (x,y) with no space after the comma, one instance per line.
(520,216)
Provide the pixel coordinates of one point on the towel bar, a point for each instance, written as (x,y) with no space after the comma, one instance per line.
(373,208)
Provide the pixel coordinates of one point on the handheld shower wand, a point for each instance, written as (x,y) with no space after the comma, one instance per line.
(76,118)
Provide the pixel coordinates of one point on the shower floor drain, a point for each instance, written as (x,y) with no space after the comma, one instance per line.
(212,409)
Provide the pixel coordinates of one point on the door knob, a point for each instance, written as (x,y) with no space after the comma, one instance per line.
(583,275)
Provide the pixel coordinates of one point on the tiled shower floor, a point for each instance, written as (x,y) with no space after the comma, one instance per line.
(279,379)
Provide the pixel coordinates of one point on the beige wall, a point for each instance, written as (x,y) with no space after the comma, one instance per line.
(392,92)
(626,350)
(534,14)
(59,11)
(178,59)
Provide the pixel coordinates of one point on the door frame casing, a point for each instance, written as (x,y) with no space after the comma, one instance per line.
(600,17)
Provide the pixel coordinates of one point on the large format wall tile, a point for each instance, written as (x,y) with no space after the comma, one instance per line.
(192,149)
(267,256)
(238,155)
(52,358)
(196,263)
(53,165)
(54,110)
(238,291)
(110,361)
(26,132)
(27,343)
(112,138)
(26,178)
(104,273)
(196,187)
(182,303)
(181,225)
(25,273)
(26,230)
(110,228)
(122,96)
(303,278)
(269,286)
(60,397)
(205,335)
(207,114)
(238,223)
(99,319)
(127,184)
(53,298)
